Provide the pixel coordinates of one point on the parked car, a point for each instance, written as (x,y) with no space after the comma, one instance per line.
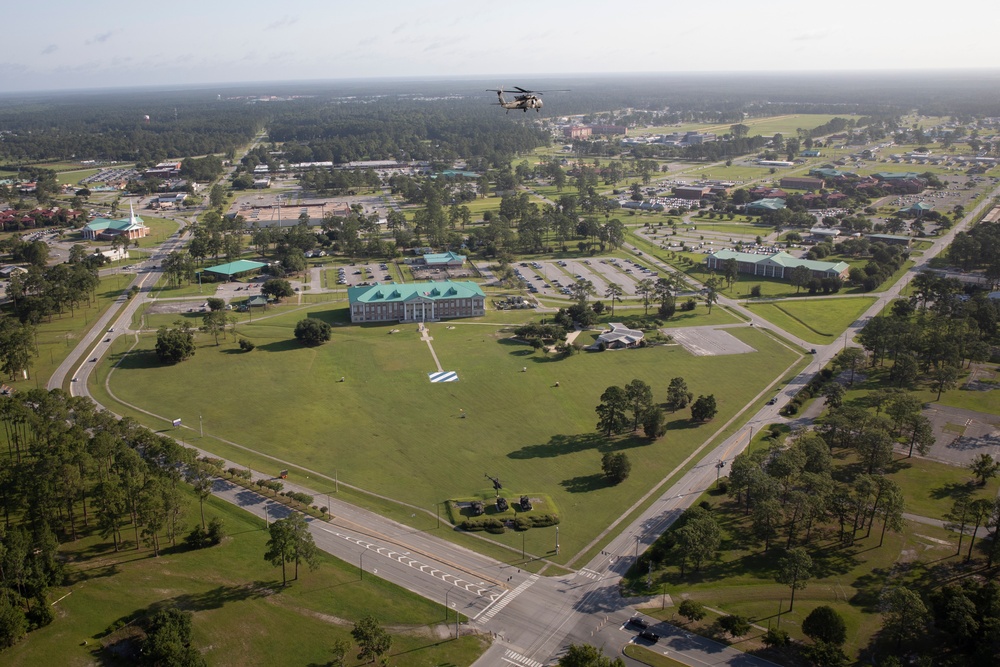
(650,636)
(637,622)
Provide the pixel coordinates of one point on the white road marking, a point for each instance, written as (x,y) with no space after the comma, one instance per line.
(479,589)
(494,607)
(518,659)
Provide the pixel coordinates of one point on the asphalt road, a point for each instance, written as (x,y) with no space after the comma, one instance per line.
(532,618)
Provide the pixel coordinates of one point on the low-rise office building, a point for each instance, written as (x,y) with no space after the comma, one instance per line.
(416,302)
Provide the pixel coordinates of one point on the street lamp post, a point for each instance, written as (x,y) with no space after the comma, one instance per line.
(637,548)
(265,516)
(557,540)
(361,564)
(201,426)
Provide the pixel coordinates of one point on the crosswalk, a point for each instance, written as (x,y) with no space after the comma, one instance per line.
(590,574)
(515,658)
(495,609)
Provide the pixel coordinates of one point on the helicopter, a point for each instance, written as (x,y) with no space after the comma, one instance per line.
(523,100)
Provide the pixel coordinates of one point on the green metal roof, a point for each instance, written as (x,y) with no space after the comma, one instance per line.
(121,225)
(443,257)
(893,175)
(239,266)
(394,293)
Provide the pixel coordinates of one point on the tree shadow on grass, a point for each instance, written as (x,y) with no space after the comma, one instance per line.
(682,424)
(136,360)
(329,316)
(559,445)
(281,346)
(952,490)
(869,589)
(585,483)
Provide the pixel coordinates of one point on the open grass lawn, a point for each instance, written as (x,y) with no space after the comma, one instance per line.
(718,226)
(74,176)
(817,321)
(537,437)
(241,614)
(848,578)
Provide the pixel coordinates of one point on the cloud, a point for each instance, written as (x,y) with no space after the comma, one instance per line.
(283,22)
(51,48)
(812,35)
(101,38)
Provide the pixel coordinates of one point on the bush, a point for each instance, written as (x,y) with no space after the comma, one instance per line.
(472,526)
(239,473)
(494,526)
(213,462)
(776,638)
(196,538)
(544,520)
(216,531)
(246,345)
(303,498)
(522,523)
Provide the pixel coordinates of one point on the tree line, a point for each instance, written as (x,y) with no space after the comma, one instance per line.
(69,469)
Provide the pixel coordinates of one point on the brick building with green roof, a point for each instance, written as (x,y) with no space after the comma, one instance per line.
(416,302)
(779,265)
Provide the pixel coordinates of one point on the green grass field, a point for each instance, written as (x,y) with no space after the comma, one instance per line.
(818,321)
(223,587)
(537,437)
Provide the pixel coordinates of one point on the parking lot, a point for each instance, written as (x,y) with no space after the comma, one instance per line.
(358,274)
(554,278)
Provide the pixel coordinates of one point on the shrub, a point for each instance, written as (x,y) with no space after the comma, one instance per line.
(472,525)
(303,498)
(246,345)
(216,531)
(544,520)
(239,473)
(494,526)
(212,462)
(775,637)
(522,523)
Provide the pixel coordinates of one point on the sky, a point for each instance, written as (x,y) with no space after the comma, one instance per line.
(111,43)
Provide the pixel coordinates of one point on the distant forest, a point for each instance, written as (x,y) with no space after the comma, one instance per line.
(446,118)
